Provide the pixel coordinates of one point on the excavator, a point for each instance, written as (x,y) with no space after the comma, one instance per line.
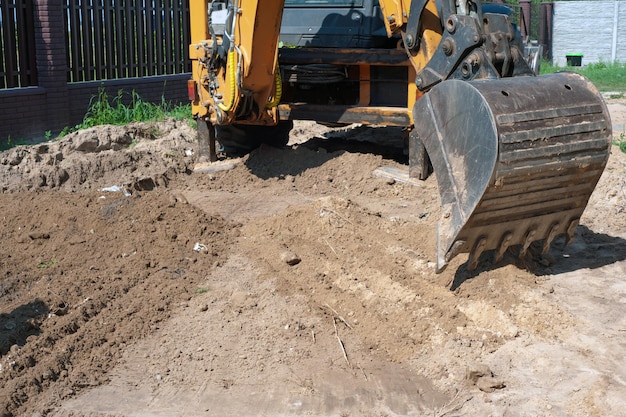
(516,155)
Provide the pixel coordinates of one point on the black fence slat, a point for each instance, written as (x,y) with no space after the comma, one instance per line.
(159,33)
(119,41)
(67,37)
(19,31)
(3,69)
(32,50)
(109,42)
(22,50)
(176,35)
(168,36)
(9,49)
(140,36)
(75,64)
(131,62)
(86,40)
(99,40)
(150,41)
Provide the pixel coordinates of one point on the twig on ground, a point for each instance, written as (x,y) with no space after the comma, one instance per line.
(337,214)
(343,349)
(313,335)
(331,248)
(363,371)
(344,321)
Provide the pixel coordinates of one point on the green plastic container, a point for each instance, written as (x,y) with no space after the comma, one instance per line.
(574,60)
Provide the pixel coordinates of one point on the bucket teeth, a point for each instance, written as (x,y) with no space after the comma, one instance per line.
(504,245)
(455,250)
(571,229)
(479,247)
(530,238)
(548,240)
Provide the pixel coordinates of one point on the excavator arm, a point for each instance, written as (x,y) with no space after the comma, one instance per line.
(516,156)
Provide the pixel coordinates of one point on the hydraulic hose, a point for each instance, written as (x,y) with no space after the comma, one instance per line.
(230,64)
(278,90)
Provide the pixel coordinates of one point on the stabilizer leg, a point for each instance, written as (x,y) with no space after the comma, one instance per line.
(207,150)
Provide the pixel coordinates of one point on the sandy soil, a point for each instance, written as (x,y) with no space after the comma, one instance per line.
(295,283)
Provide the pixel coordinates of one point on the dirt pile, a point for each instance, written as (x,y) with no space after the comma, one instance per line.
(100,157)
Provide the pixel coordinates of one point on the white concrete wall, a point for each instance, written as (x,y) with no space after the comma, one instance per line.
(597,29)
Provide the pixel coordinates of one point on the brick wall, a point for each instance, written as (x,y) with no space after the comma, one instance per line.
(28,113)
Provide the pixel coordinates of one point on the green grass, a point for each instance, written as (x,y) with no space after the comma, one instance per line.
(620,141)
(103,110)
(46,264)
(605,76)
(11,143)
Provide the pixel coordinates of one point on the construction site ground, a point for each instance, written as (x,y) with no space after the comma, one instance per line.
(295,283)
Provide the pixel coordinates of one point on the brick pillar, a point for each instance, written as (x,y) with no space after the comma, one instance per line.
(51,62)
(524,17)
(545,30)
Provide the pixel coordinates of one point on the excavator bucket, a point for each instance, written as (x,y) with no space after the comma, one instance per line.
(516,159)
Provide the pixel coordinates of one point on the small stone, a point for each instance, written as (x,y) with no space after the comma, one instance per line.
(39,235)
(489,384)
(290,258)
(476,371)
(204,307)
(23,239)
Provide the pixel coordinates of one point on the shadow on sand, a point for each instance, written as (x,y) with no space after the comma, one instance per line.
(267,162)
(19,324)
(589,250)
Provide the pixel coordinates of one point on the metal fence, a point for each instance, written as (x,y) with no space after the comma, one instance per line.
(110,39)
(18,67)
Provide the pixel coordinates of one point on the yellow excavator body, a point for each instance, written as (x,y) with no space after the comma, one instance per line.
(516,155)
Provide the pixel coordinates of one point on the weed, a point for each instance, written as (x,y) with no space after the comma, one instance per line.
(127,108)
(48,264)
(202,290)
(11,143)
(620,142)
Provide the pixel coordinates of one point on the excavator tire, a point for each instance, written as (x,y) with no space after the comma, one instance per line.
(516,159)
